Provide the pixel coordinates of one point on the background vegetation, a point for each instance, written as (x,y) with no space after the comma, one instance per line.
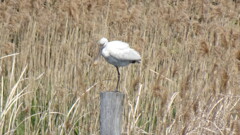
(188,81)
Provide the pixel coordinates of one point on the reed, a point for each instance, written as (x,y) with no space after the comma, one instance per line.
(187,82)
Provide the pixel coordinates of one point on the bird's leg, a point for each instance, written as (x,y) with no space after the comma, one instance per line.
(118,78)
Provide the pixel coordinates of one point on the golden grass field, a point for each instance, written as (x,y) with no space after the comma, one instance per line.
(187,83)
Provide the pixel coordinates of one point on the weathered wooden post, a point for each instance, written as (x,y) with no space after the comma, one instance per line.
(111,110)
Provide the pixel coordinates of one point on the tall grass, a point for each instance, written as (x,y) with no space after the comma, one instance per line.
(188,81)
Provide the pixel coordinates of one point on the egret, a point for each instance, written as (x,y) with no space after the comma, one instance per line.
(119,54)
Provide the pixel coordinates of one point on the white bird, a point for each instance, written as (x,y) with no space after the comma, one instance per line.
(119,54)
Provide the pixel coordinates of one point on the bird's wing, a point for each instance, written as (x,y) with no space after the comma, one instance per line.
(125,54)
(118,45)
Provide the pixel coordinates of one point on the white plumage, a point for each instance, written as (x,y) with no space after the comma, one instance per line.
(119,54)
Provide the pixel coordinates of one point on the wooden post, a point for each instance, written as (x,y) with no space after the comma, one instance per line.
(111,110)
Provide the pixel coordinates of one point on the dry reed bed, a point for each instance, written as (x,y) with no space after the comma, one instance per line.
(188,81)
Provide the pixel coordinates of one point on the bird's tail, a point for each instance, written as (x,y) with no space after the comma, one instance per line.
(136,61)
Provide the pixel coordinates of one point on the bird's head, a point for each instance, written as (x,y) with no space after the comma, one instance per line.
(103,41)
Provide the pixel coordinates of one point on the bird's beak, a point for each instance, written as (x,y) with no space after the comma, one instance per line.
(96,60)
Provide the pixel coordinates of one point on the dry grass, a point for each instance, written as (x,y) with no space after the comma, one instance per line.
(188,81)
